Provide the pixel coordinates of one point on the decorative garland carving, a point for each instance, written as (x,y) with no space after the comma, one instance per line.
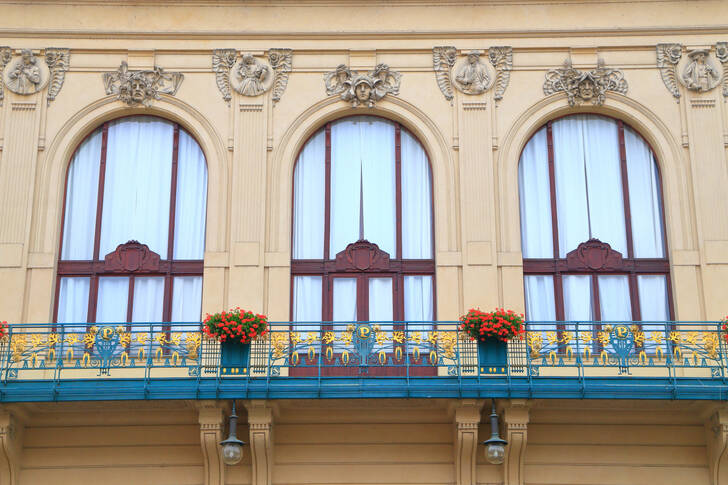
(668,55)
(581,87)
(141,87)
(249,75)
(470,75)
(360,88)
(58,61)
(721,52)
(502,59)
(222,61)
(443,58)
(5,54)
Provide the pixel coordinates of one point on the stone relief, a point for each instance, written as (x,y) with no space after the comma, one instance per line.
(30,73)
(721,52)
(249,75)
(582,87)
(141,87)
(470,75)
(700,74)
(362,89)
(668,55)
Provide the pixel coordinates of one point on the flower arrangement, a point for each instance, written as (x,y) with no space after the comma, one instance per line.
(724,328)
(235,325)
(499,324)
(3,329)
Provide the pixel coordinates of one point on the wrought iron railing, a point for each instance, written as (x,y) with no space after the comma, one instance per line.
(364,349)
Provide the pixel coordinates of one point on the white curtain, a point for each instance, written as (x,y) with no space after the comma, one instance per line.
(191,200)
(344,304)
(148,299)
(309,186)
(588,182)
(540,301)
(614,300)
(81,200)
(380,300)
(362,168)
(73,303)
(535,197)
(644,198)
(577,298)
(307,302)
(113,298)
(654,307)
(418,302)
(137,184)
(186,300)
(416,200)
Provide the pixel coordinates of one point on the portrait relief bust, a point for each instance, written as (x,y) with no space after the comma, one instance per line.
(27,74)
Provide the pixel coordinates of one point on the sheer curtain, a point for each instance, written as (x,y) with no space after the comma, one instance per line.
(362,168)
(307,302)
(418,302)
(577,298)
(535,198)
(81,200)
(344,304)
(137,184)
(309,183)
(653,305)
(186,299)
(73,303)
(112,300)
(148,299)
(416,200)
(540,301)
(191,200)
(381,300)
(614,300)
(644,198)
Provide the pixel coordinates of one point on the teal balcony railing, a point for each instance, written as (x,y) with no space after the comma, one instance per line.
(364,359)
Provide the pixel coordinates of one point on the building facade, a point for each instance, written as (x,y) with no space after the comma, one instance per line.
(333,163)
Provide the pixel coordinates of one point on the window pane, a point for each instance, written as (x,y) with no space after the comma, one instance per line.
(653,298)
(191,200)
(644,198)
(81,200)
(137,184)
(540,302)
(309,205)
(345,184)
(416,200)
(418,302)
(307,301)
(344,304)
(577,298)
(73,302)
(614,301)
(112,301)
(186,299)
(148,300)
(535,198)
(381,300)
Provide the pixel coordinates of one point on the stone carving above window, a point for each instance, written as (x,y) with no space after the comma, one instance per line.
(700,74)
(469,74)
(362,89)
(721,52)
(249,75)
(668,55)
(30,73)
(141,87)
(584,87)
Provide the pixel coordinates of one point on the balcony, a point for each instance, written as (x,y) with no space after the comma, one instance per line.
(567,360)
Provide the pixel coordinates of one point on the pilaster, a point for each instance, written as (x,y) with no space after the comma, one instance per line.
(716,431)
(515,419)
(467,419)
(260,421)
(11,447)
(211,417)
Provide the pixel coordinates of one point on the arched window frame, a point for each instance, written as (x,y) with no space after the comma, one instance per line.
(574,263)
(397,267)
(150,266)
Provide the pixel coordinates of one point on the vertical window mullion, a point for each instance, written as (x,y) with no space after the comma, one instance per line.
(173,196)
(100,195)
(597,310)
(327,201)
(398,186)
(625,189)
(130,300)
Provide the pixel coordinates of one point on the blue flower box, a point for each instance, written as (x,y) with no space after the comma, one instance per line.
(492,356)
(234,358)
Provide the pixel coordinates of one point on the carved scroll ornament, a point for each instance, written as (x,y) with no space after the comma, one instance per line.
(470,75)
(249,75)
(141,87)
(362,89)
(5,55)
(581,87)
(668,55)
(58,61)
(721,52)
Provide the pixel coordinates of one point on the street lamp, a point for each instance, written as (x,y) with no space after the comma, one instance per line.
(232,447)
(495,446)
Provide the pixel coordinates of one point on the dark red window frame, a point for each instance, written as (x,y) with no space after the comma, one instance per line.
(150,267)
(397,267)
(616,263)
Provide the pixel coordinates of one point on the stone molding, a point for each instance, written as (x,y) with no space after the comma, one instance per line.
(260,422)
(515,422)
(11,447)
(470,75)
(467,420)
(211,417)
(137,88)
(581,87)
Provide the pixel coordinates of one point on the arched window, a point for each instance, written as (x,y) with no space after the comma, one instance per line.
(592,227)
(362,225)
(133,233)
